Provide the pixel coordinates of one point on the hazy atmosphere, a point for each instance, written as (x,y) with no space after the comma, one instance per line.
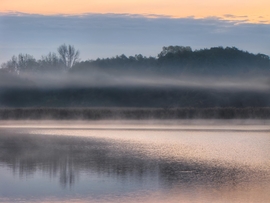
(146,101)
(135,27)
(135,54)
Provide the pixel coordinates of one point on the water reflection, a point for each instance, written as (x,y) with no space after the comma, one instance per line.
(119,165)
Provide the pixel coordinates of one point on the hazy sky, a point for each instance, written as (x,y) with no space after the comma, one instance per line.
(255,10)
(110,27)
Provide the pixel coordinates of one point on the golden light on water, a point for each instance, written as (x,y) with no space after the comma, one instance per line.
(228,148)
(161,161)
(178,140)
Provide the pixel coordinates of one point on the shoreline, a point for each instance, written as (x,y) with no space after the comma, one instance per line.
(133,113)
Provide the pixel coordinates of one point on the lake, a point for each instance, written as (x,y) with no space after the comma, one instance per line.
(135,161)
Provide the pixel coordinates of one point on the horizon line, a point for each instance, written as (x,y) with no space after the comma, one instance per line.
(225,17)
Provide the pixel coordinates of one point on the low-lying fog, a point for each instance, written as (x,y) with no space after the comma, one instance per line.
(98,78)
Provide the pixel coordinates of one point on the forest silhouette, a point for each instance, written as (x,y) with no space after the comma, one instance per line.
(177,77)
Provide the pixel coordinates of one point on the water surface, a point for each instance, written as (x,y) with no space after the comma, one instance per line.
(135,161)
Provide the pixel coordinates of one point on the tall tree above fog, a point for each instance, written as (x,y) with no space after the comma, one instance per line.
(68,55)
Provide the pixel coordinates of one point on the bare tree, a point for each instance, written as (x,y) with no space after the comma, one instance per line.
(22,63)
(68,55)
(11,66)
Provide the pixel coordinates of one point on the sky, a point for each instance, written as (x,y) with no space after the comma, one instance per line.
(112,27)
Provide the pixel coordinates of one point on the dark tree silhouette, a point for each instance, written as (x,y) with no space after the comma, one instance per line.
(174,50)
(22,76)
(50,62)
(24,62)
(68,55)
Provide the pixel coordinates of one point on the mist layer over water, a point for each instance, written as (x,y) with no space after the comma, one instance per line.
(128,79)
(135,161)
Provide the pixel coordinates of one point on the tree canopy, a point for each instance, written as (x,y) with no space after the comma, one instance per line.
(171,60)
(68,55)
(177,77)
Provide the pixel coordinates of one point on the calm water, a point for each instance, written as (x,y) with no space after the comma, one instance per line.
(131,161)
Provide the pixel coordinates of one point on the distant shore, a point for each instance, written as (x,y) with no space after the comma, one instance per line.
(132,113)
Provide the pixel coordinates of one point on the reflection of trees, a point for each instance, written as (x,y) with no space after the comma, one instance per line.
(65,157)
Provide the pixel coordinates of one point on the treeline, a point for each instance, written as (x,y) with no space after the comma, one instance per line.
(65,59)
(133,113)
(131,97)
(177,77)
(172,59)
(182,60)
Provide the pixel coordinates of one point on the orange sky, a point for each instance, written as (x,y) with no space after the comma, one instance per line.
(256,10)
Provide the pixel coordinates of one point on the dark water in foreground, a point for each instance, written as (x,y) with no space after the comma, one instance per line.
(135,161)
